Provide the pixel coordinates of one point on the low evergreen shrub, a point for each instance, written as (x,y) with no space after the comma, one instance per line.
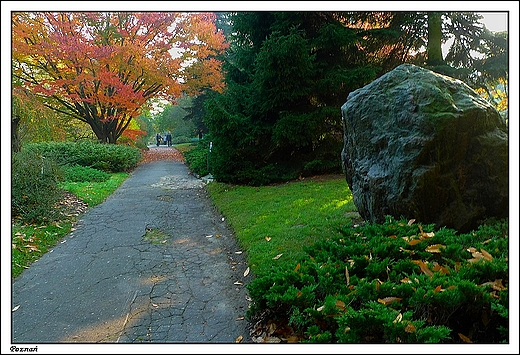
(34,187)
(105,157)
(197,158)
(396,282)
(78,173)
(180,139)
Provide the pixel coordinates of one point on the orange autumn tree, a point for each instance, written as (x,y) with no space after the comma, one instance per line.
(102,68)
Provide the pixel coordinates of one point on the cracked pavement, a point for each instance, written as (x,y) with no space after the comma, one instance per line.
(153,263)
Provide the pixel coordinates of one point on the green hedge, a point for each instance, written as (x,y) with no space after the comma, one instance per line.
(105,157)
(78,173)
(34,187)
(197,158)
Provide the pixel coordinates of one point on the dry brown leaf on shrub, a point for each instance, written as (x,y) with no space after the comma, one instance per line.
(435,248)
(476,257)
(347,276)
(457,266)
(293,339)
(410,328)
(410,222)
(411,252)
(414,241)
(398,319)
(388,300)
(464,338)
(297,267)
(406,280)
(443,270)
(267,238)
(378,284)
(496,285)
(486,255)
(340,305)
(277,257)
(424,268)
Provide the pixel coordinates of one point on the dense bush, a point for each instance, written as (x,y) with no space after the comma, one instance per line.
(197,158)
(180,140)
(78,173)
(105,157)
(279,117)
(395,282)
(34,189)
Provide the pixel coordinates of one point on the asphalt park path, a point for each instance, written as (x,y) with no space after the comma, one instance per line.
(153,263)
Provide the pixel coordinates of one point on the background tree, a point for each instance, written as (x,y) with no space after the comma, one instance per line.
(491,78)
(174,119)
(287,74)
(195,113)
(102,68)
(434,44)
(33,122)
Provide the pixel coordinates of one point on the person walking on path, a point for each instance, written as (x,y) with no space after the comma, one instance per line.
(158,138)
(169,139)
(154,263)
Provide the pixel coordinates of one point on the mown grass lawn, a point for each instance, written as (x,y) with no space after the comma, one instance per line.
(273,223)
(94,193)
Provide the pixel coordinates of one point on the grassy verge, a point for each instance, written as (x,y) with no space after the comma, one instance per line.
(30,242)
(184,147)
(93,193)
(281,219)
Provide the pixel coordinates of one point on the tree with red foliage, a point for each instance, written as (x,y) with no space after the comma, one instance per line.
(103,68)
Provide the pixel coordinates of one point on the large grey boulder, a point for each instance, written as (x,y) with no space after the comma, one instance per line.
(421,145)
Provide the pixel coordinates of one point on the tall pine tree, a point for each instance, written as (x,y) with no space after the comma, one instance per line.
(287,75)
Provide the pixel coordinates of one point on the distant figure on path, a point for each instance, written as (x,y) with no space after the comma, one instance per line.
(200,133)
(169,139)
(158,139)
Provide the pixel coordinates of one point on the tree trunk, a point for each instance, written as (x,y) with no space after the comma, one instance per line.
(16,145)
(434,49)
